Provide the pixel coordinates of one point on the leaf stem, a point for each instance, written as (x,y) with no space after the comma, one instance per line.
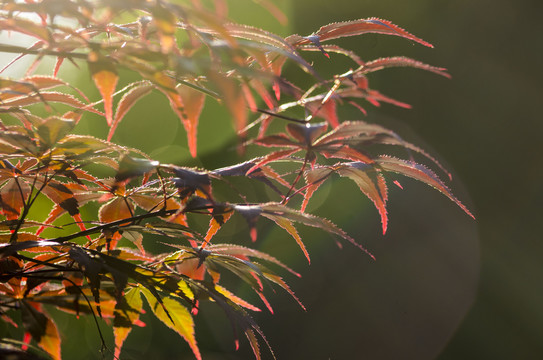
(298,177)
(114,223)
(14,49)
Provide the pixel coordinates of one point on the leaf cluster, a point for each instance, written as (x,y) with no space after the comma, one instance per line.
(100,264)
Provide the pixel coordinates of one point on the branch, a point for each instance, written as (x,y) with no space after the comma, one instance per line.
(114,223)
(14,49)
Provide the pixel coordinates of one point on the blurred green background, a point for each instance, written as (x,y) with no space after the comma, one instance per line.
(443,286)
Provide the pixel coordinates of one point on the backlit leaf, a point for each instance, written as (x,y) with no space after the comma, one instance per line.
(189,181)
(127,312)
(306,133)
(61,195)
(235,298)
(233,99)
(421,173)
(359,27)
(275,210)
(268,38)
(194,104)
(46,97)
(176,316)
(80,144)
(371,183)
(399,61)
(219,216)
(42,328)
(238,250)
(287,225)
(116,209)
(54,129)
(26,27)
(104,75)
(165,21)
(19,141)
(20,236)
(14,194)
(130,167)
(127,102)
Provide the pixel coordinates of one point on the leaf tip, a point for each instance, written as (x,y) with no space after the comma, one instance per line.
(253,233)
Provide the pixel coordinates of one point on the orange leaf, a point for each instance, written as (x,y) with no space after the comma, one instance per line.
(194,104)
(233,98)
(191,267)
(105,78)
(50,340)
(13,196)
(42,328)
(127,101)
(215,224)
(189,116)
(116,209)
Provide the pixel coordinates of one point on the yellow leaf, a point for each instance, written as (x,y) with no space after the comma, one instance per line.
(235,299)
(176,317)
(125,318)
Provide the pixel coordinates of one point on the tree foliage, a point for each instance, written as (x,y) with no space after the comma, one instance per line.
(191,54)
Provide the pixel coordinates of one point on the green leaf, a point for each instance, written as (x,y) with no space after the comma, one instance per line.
(54,129)
(78,145)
